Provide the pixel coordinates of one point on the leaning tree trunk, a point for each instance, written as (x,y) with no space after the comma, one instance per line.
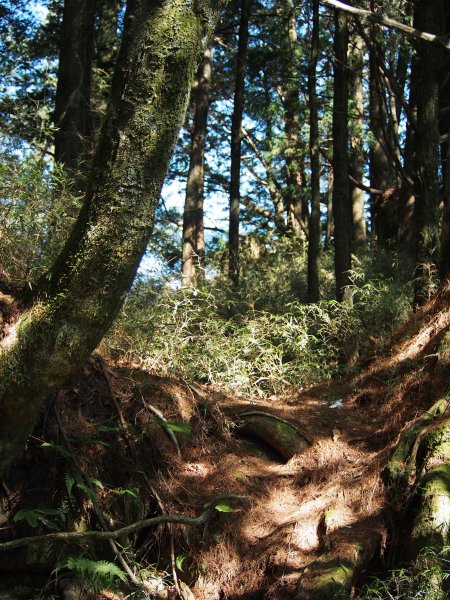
(342,208)
(73,117)
(161,48)
(236,139)
(193,227)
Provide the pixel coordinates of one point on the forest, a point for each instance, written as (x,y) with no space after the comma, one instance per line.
(224,299)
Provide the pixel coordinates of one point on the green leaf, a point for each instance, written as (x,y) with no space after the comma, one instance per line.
(179,427)
(124,491)
(180,560)
(224,508)
(98,483)
(70,482)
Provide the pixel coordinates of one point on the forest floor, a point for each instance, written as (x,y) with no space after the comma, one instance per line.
(324,506)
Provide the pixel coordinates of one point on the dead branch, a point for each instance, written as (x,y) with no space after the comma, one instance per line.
(388,22)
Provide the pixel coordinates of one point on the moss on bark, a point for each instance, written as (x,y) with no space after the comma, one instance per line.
(162,45)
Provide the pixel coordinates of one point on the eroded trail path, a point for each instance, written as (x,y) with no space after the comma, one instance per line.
(310,465)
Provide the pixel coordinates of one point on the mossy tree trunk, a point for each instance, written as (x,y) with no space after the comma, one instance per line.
(161,48)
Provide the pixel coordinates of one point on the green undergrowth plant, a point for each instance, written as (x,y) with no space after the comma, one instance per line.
(38,208)
(95,574)
(427,578)
(216,336)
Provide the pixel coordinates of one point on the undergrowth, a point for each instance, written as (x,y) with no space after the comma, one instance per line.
(240,342)
(427,578)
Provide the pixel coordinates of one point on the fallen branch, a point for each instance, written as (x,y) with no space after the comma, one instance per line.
(382,20)
(89,536)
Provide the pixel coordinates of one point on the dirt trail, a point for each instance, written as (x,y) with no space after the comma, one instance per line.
(323,506)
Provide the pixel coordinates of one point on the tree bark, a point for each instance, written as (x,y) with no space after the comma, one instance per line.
(380,166)
(314,242)
(107,46)
(429,16)
(356,64)
(161,48)
(342,208)
(73,117)
(290,92)
(236,138)
(193,226)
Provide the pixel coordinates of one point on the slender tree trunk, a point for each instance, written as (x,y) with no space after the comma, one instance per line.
(236,138)
(290,92)
(107,46)
(193,226)
(73,117)
(429,16)
(356,64)
(445,235)
(330,222)
(90,280)
(445,158)
(314,242)
(342,208)
(407,199)
(380,165)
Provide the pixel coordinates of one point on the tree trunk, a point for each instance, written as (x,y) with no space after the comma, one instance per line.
(289,89)
(380,166)
(356,64)
(407,199)
(429,16)
(236,138)
(107,46)
(193,227)
(314,242)
(90,280)
(342,208)
(73,117)
(445,159)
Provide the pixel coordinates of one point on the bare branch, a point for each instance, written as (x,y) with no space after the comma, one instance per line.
(382,20)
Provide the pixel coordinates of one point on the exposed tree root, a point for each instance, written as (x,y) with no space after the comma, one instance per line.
(400,470)
(279,434)
(332,577)
(89,536)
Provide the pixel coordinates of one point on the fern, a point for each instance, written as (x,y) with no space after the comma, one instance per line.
(97,574)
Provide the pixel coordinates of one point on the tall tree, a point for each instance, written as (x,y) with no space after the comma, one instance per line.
(314,146)
(89,282)
(429,16)
(73,116)
(106,48)
(236,139)
(357,161)
(289,87)
(193,227)
(342,208)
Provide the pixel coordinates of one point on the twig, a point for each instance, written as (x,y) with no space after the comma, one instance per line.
(128,441)
(164,423)
(87,536)
(382,20)
(98,511)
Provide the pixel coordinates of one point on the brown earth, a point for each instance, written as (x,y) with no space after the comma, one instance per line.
(320,507)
